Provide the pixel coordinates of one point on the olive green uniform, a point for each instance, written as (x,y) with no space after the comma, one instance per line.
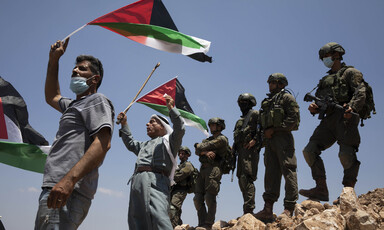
(179,191)
(248,159)
(280,111)
(346,87)
(208,182)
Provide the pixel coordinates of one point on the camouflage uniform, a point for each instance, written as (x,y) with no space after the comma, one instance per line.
(279,156)
(179,191)
(346,87)
(248,159)
(208,182)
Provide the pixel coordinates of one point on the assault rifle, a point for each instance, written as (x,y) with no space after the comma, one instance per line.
(234,155)
(325,104)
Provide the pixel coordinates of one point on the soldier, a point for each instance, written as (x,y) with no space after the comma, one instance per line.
(344,84)
(246,145)
(279,116)
(211,152)
(183,177)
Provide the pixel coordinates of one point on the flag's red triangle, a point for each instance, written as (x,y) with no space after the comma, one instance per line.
(156,96)
(138,12)
(3,126)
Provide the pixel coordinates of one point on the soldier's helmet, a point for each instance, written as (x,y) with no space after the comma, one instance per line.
(331,47)
(218,121)
(279,77)
(185,149)
(247,97)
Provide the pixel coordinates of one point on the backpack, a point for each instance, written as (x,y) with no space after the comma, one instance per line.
(227,162)
(369,105)
(192,179)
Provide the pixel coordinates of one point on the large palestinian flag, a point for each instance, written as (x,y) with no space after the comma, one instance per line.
(155,100)
(149,23)
(20,145)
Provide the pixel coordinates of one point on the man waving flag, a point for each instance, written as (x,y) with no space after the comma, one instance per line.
(20,145)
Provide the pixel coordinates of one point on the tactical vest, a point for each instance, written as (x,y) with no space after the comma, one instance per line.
(242,132)
(272,112)
(336,87)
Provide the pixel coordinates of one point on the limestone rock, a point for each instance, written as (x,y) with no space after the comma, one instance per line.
(348,201)
(248,222)
(360,220)
(218,225)
(183,227)
(234,221)
(329,219)
(353,213)
(309,204)
(299,210)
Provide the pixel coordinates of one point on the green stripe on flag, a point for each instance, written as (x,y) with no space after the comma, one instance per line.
(152,31)
(22,155)
(186,115)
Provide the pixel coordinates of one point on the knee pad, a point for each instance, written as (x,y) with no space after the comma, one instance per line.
(213,187)
(347,156)
(310,152)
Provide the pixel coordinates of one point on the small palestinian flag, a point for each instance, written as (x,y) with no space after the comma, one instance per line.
(20,145)
(155,100)
(149,23)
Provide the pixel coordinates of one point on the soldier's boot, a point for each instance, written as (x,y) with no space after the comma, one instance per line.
(266,215)
(320,192)
(288,212)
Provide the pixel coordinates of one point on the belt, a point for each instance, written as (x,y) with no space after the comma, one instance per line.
(147,168)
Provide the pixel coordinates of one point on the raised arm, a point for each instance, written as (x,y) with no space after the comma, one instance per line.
(52,87)
(178,125)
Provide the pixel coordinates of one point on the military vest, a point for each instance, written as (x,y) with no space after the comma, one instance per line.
(336,87)
(242,132)
(272,113)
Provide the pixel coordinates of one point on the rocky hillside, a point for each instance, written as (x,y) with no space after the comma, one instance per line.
(365,212)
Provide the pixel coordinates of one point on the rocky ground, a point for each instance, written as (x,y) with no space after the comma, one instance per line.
(365,212)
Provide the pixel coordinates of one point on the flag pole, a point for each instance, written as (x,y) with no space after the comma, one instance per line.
(133,101)
(74,32)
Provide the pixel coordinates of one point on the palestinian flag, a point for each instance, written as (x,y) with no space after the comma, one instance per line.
(149,23)
(155,100)
(20,145)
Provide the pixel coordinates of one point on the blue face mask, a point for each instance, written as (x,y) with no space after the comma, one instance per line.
(79,85)
(328,62)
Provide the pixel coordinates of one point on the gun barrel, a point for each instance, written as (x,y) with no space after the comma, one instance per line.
(308,97)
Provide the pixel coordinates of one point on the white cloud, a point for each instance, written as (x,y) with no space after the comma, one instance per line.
(110,192)
(30,189)
(203,105)
(33,189)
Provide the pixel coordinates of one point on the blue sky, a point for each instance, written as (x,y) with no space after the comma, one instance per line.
(250,40)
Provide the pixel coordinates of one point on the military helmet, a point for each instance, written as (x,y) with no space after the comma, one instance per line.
(247,97)
(331,47)
(279,77)
(185,149)
(217,121)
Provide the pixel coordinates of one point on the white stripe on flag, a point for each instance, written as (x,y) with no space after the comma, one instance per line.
(14,134)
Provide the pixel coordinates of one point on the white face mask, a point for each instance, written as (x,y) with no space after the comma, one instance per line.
(79,85)
(328,62)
